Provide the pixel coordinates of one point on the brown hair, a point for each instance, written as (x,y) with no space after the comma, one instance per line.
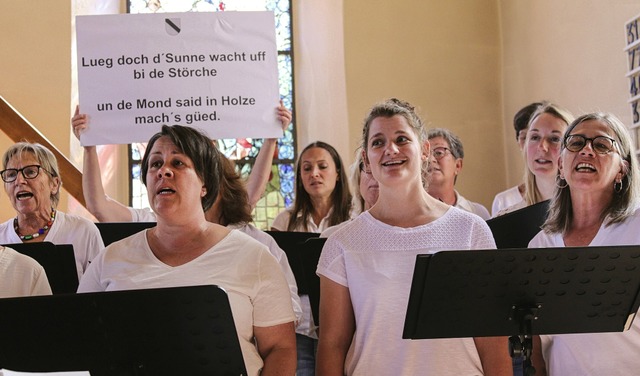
(340,197)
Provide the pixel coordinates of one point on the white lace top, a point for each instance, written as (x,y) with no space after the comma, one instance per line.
(376,262)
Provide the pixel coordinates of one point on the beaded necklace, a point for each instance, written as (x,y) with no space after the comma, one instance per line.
(40,232)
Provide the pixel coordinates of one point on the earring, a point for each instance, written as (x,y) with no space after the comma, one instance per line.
(561,183)
(617,185)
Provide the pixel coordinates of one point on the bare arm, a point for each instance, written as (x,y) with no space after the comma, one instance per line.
(494,355)
(259,176)
(537,358)
(277,347)
(103,207)
(338,326)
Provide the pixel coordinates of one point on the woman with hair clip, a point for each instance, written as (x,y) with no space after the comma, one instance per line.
(180,170)
(366,267)
(595,203)
(322,200)
(541,150)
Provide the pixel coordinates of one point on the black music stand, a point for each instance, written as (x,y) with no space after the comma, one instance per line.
(523,292)
(312,248)
(58,261)
(114,231)
(292,244)
(168,331)
(516,229)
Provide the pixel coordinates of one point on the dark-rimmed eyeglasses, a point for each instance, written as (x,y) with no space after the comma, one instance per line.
(599,144)
(440,152)
(28,172)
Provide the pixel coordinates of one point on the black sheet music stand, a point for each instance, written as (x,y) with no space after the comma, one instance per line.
(58,262)
(169,331)
(516,229)
(312,248)
(523,292)
(292,244)
(114,231)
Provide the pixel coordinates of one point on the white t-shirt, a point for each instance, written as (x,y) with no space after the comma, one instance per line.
(510,209)
(505,199)
(142,215)
(280,256)
(281,222)
(375,261)
(66,229)
(257,290)
(598,353)
(21,275)
(146,215)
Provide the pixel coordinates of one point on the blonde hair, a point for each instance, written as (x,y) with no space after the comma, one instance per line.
(390,108)
(532,194)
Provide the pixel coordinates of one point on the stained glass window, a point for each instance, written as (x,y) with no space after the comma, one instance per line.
(279,192)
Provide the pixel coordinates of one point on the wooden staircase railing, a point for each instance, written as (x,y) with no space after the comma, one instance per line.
(18,128)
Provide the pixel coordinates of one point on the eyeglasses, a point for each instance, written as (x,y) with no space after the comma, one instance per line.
(28,172)
(599,144)
(439,153)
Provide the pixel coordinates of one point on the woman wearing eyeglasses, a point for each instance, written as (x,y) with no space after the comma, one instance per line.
(445,163)
(32,182)
(595,203)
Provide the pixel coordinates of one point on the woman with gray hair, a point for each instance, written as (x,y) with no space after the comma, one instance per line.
(595,203)
(445,163)
(32,182)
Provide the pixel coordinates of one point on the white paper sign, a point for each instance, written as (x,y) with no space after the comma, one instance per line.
(213,71)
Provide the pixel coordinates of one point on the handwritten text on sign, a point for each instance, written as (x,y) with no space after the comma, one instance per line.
(213,71)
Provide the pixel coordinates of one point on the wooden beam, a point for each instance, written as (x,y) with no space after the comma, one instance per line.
(14,125)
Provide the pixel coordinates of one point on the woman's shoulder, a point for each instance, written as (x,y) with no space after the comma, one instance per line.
(546,240)
(142,215)
(15,260)
(242,248)
(136,240)
(456,214)
(76,222)
(636,214)
(357,230)
(8,224)
(281,221)
(237,237)
(517,206)
(255,233)
(505,199)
